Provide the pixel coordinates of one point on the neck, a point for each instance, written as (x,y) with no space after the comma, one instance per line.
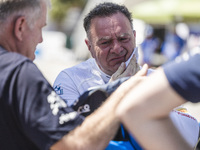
(8,44)
(7,40)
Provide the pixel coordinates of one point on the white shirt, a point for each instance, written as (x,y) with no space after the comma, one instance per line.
(73,82)
(186,124)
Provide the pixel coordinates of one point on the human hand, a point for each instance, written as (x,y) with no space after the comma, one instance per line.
(143,71)
(124,71)
(132,82)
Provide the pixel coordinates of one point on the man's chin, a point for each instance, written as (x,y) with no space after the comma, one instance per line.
(115,68)
(32,57)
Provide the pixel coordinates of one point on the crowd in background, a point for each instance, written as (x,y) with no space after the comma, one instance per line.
(163,45)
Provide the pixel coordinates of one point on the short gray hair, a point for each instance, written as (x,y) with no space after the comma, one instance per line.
(16,8)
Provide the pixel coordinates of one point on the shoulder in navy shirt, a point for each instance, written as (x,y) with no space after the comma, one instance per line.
(184,75)
(32,116)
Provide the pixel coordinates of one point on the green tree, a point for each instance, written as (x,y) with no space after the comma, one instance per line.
(60,8)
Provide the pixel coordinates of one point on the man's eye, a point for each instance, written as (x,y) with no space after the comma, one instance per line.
(106,42)
(124,39)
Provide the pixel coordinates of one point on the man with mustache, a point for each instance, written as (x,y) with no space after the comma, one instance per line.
(32,115)
(111,42)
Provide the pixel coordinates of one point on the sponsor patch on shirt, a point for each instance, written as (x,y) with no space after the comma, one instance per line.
(55,102)
(181,109)
(67,117)
(58,89)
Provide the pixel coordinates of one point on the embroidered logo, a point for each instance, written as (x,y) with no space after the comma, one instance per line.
(58,90)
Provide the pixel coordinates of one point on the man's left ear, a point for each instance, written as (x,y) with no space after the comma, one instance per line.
(19,28)
(134,33)
(87,42)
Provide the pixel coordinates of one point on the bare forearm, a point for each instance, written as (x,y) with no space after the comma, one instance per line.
(94,133)
(145,110)
(97,129)
(101,126)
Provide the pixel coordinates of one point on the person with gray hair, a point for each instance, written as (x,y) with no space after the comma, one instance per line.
(111,40)
(32,115)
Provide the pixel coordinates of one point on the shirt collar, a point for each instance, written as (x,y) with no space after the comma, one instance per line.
(103,75)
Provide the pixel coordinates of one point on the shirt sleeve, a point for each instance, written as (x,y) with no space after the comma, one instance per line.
(66,88)
(184,76)
(44,116)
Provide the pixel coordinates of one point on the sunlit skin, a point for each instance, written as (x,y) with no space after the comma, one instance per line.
(23,37)
(111,41)
(32,35)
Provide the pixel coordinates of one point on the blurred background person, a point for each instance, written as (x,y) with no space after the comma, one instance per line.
(149,46)
(173,44)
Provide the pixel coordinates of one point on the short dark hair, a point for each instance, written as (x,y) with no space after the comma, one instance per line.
(103,10)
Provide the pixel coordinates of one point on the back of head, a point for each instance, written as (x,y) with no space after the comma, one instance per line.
(103,10)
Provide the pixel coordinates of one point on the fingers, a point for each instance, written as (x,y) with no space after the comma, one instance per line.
(130,83)
(132,61)
(140,76)
(143,71)
(133,67)
(119,71)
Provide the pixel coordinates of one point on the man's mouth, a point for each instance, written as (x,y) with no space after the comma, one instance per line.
(117,60)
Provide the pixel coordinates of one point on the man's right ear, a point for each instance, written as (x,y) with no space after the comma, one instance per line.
(19,27)
(87,42)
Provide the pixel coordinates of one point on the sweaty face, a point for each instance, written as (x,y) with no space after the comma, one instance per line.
(111,42)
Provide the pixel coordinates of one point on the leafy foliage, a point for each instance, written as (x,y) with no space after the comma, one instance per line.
(60,8)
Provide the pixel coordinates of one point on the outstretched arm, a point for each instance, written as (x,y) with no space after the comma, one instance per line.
(101,126)
(145,110)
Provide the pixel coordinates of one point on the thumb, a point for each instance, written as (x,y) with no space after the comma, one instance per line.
(143,71)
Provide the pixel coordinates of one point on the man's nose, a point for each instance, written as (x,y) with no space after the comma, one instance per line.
(116,48)
(41,39)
